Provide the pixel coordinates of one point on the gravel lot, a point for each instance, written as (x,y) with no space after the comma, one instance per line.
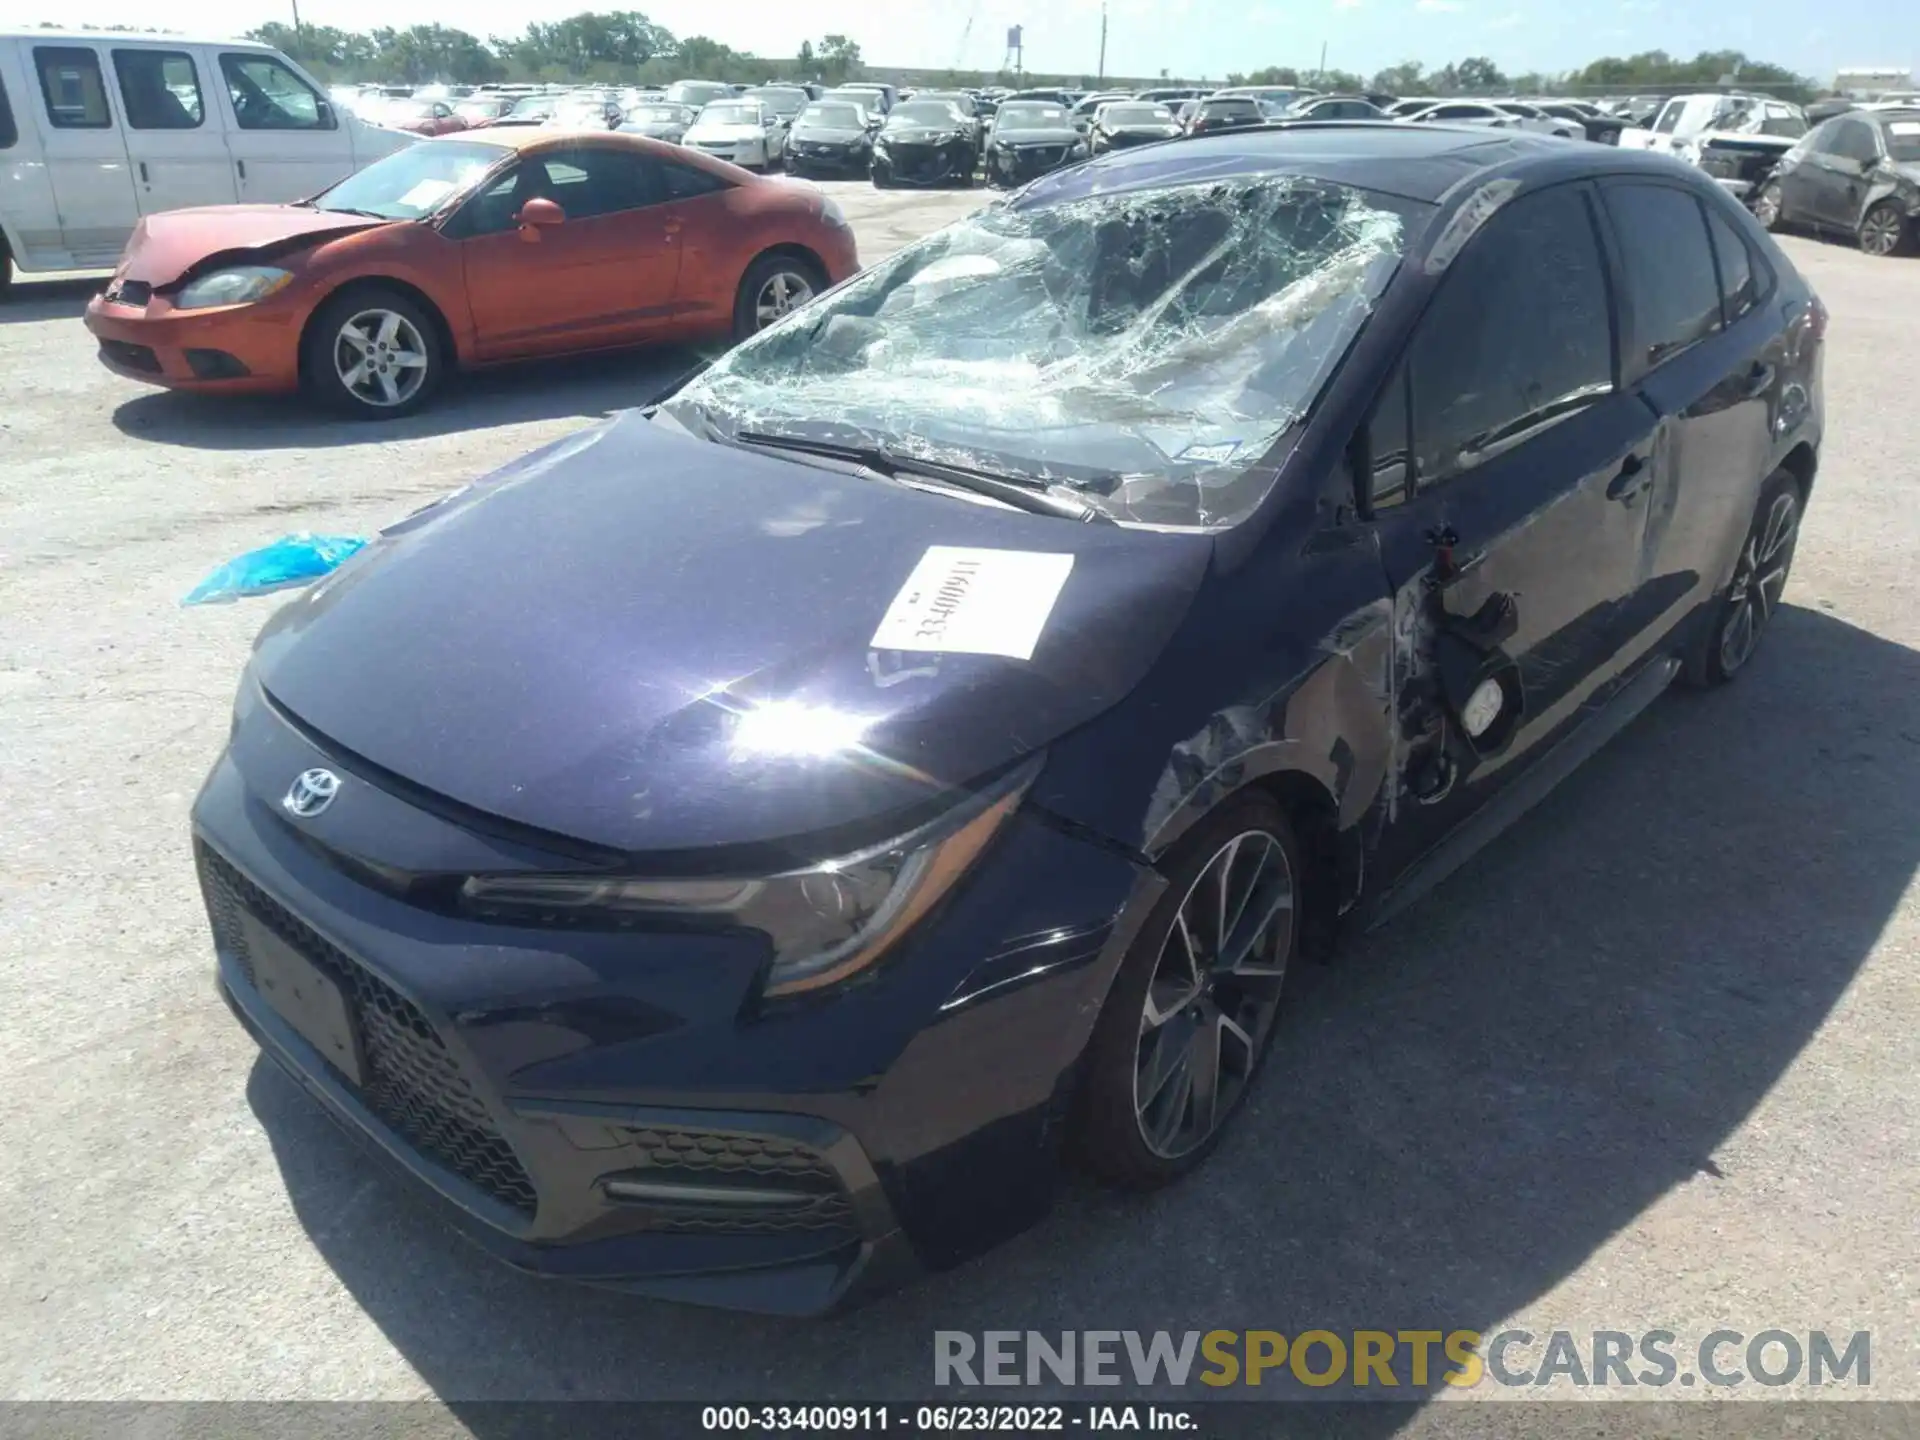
(1651,1059)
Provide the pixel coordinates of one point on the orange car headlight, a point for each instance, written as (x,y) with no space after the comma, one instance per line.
(239,285)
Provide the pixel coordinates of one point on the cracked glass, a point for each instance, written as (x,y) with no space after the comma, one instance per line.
(1139,351)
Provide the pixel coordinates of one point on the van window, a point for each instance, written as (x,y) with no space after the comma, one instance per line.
(70,80)
(1519,336)
(1669,267)
(268,96)
(9,132)
(160,89)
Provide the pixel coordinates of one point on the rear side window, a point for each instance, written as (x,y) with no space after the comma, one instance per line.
(1855,140)
(1669,267)
(160,89)
(683,182)
(1519,335)
(9,132)
(1739,279)
(267,95)
(70,80)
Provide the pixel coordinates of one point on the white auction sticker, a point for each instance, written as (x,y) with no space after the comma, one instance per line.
(974,602)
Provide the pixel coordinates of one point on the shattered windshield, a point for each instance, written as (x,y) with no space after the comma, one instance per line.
(1140,351)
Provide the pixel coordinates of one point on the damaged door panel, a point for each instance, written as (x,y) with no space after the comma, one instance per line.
(1515,558)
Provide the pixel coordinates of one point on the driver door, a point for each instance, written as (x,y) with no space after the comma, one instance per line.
(606,275)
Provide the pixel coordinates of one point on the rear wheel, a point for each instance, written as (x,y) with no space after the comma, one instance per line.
(1185,1026)
(1759,581)
(1766,206)
(374,354)
(773,288)
(1884,231)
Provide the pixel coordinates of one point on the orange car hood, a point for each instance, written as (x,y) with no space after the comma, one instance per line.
(168,246)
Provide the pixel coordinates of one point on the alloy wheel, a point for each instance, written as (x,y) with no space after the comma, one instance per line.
(784,292)
(380,357)
(1880,231)
(1759,581)
(1212,997)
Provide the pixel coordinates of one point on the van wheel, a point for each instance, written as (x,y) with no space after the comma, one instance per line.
(374,354)
(773,288)
(1186,1024)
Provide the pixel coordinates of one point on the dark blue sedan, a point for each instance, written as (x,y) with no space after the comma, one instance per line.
(739,852)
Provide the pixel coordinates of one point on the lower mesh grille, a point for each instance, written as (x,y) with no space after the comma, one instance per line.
(718,1158)
(413,1084)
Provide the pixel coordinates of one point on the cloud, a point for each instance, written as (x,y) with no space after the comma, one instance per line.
(1507,21)
(1346,4)
(1439,7)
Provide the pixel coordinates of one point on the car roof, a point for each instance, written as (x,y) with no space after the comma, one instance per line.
(1416,162)
(130,37)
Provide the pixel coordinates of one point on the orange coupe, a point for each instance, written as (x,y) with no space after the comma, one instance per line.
(491,246)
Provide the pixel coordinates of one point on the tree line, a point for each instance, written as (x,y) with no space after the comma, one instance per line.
(622,45)
(1650,71)
(627,47)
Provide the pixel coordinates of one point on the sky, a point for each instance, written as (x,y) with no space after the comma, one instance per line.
(1191,39)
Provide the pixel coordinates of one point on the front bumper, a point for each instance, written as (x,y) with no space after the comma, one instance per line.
(925,164)
(230,348)
(604,1107)
(843,159)
(1017,164)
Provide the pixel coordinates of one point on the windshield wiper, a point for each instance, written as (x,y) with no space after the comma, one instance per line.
(1026,495)
(349,210)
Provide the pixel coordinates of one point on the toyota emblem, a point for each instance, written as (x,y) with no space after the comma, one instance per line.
(311,793)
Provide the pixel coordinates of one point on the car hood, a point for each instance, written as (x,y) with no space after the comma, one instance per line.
(166,246)
(1143,132)
(1065,135)
(569,644)
(829,134)
(921,135)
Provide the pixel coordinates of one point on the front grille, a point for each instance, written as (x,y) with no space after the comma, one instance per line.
(765,1162)
(413,1083)
(134,357)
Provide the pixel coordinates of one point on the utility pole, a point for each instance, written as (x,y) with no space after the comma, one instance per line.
(296,17)
(1103,42)
(1321,78)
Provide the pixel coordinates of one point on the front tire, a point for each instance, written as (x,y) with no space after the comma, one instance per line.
(1884,231)
(1186,1024)
(773,287)
(374,354)
(1759,581)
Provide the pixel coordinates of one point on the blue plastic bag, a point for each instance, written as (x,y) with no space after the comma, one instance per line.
(290,561)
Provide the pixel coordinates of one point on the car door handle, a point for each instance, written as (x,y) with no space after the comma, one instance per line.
(143,172)
(243,168)
(1757,381)
(1633,477)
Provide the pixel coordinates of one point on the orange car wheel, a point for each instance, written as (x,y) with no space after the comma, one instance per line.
(774,286)
(374,353)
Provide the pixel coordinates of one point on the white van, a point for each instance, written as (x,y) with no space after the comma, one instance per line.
(98,129)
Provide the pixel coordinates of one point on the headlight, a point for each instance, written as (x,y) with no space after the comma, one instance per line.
(827,923)
(242,285)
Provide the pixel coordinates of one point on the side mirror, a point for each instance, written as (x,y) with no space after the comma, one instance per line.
(536,215)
